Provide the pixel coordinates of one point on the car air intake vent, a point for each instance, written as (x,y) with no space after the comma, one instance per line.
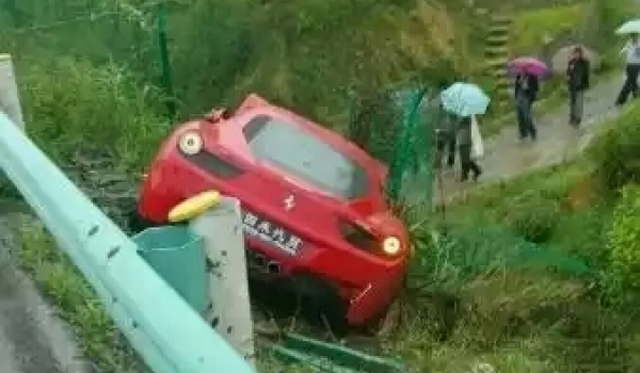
(358,236)
(214,165)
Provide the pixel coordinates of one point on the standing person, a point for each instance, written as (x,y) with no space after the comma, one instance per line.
(631,51)
(445,131)
(526,88)
(577,81)
(465,143)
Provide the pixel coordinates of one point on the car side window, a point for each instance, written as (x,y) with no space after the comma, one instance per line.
(305,156)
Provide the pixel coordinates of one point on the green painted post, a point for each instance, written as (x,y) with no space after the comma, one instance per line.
(403,149)
(165,64)
(178,256)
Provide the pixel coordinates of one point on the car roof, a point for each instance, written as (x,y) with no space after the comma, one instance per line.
(255,105)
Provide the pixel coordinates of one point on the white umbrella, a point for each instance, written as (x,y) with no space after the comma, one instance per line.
(561,58)
(629,27)
(464,99)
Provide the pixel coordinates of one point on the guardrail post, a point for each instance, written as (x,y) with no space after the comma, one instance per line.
(224,245)
(177,255)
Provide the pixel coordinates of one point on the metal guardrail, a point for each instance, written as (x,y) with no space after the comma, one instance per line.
(168,334)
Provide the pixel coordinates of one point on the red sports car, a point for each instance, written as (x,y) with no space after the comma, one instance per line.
(314,209)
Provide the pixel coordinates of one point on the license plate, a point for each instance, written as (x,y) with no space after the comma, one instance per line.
(258,227)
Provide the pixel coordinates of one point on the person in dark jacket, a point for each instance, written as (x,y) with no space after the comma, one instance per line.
(526,91)
(445,138)
(631,50)
(445,132)
(577,81)
(465,142)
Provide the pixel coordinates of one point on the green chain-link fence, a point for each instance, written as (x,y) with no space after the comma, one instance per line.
(397,127)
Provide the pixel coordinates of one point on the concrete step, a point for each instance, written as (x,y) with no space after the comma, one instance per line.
(495,64)
(499,74)
(498,30)
(497,39)
(496,52)
(501,19)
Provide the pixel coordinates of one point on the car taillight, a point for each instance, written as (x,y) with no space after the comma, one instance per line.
(389,247)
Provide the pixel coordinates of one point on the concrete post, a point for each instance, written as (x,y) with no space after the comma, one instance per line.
(9,97)
(221,228)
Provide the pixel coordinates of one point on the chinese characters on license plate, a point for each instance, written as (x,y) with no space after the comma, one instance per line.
(266,231)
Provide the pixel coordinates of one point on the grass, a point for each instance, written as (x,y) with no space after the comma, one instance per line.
(532,29)
(76,302)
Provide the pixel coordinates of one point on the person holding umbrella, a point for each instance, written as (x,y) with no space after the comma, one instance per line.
(631,50)
(527,71)
(465,101)
(465,146)
(577,81)
(445,130)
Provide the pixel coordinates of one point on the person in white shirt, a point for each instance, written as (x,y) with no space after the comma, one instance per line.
(631,51)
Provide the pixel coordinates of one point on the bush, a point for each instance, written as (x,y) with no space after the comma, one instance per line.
(531,28)
(533,216)
(72,106)
(624,240)
(616,153)
(584,234)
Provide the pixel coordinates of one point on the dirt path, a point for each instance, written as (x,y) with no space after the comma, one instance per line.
(507,157)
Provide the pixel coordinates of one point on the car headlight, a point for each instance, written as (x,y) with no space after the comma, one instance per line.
(391,245)
(190,143)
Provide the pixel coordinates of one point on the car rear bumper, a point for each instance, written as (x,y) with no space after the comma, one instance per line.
(359,309)
(373,301)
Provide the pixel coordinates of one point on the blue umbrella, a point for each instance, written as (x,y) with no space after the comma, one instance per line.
(464,99)
(629,27)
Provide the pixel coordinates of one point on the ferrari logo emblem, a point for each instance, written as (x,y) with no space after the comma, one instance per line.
(289,203)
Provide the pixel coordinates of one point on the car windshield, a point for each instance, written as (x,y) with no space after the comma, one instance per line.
(305,156)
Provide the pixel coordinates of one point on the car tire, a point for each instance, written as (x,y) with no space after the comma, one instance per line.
(320,302)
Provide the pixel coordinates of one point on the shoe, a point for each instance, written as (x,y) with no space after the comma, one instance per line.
(477,175)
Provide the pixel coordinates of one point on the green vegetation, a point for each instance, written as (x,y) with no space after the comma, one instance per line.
(98,96)
(556,291)
(532,29)
(77,303)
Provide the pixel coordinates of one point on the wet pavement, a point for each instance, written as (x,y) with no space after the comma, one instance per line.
(506,156)
(32,338)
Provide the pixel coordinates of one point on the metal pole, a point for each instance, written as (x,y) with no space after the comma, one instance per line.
(165,64)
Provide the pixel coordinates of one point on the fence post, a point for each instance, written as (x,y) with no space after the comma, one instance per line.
(403,149)
(165,64)
(222,230)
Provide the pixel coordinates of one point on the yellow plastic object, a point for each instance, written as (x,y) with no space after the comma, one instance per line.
(194,206)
